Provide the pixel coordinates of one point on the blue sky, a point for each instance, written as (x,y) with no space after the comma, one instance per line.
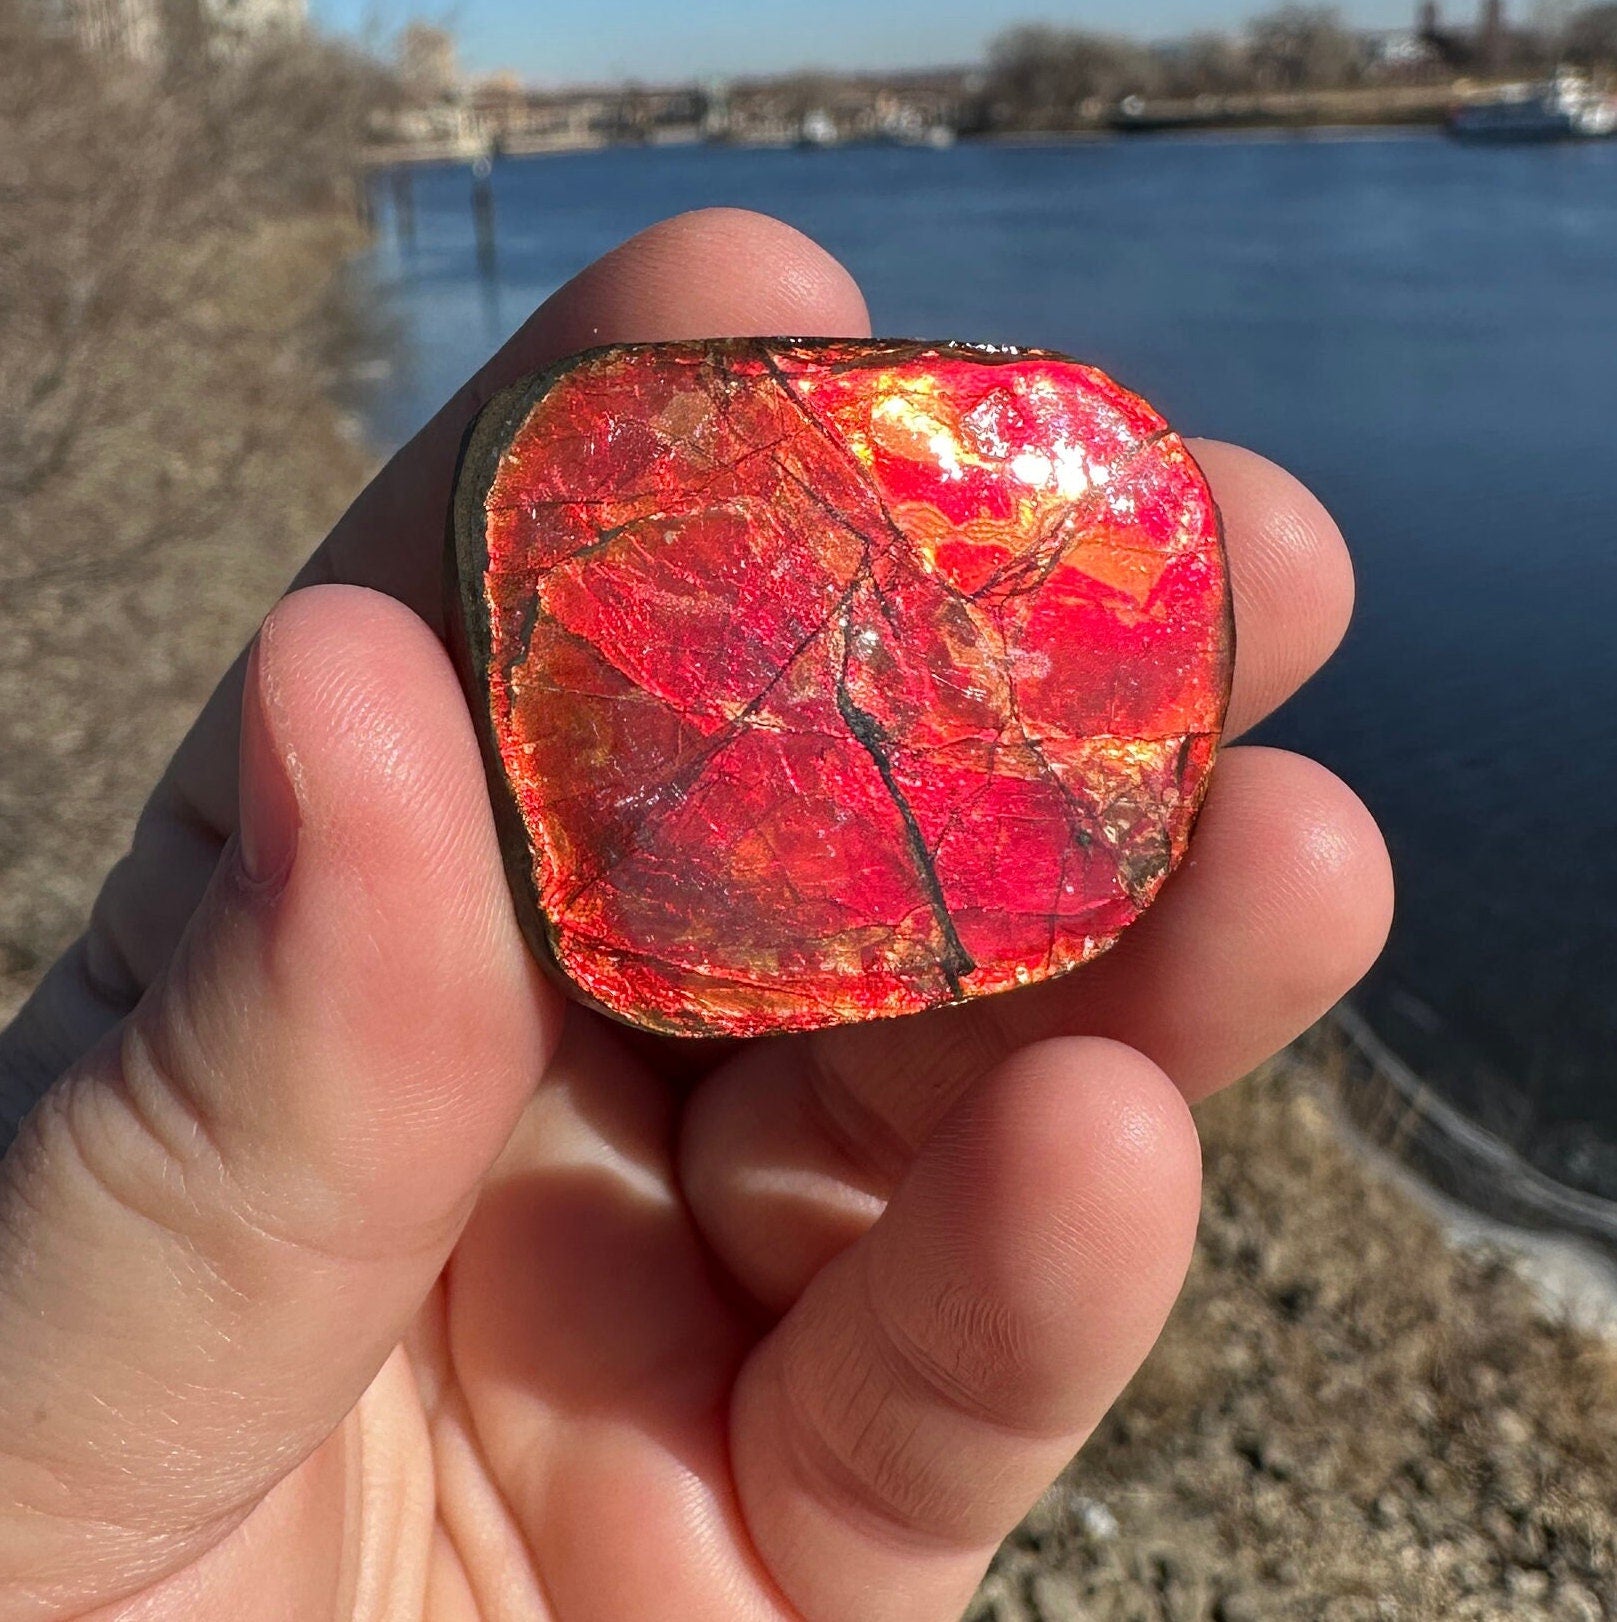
(661,40)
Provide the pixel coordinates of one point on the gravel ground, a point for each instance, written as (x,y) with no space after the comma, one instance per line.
(1347,1418)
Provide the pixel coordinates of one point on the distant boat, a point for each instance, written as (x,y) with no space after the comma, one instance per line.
(819,128)
(1565,108)
(936,136)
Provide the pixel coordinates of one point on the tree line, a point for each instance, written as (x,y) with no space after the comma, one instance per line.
(1042,75)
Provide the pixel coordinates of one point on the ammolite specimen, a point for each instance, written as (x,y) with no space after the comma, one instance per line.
(822,681)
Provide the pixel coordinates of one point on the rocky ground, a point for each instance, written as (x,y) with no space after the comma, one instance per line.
(1348,1418)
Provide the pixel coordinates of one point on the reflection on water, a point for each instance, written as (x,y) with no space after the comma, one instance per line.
(1425,333)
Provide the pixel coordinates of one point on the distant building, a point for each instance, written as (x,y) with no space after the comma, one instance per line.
(820,109)
(498,105)
(427,66)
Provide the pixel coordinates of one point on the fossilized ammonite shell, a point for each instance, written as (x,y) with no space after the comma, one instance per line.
(828,680)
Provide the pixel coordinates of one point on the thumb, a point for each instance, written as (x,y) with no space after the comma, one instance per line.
(215,1228)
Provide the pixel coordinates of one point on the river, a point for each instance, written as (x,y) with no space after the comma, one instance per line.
(1425,333)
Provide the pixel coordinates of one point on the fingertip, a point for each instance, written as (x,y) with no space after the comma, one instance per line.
(712,272)
(394,948)
(345,617)
(1060,1199)
(1090,1102)
(1289,876)
(784,266)
(1309,824)
(933,1378)
(1290,573)
(1096,1136)
(354,678)
(368,717)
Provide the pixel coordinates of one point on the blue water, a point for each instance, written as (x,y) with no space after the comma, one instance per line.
(1427,334)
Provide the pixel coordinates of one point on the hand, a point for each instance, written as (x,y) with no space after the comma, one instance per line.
(340,1274)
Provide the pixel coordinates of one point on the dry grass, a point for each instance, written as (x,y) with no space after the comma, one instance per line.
(168,449)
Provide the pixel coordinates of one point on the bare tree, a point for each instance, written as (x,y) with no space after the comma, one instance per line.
(1591,37)
(1041,77)
(169,243)
(1206,64)
(1303,48)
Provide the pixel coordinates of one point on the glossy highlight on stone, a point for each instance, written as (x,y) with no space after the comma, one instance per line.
(828,680)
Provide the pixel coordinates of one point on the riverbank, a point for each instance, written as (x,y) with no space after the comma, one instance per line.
(1386,107)
(132,578)
(170,328)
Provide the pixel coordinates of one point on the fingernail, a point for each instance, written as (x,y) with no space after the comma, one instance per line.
(268,802)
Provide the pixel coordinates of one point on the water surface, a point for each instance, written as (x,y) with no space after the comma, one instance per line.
(1427,334)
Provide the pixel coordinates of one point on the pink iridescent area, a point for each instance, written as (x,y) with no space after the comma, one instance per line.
(837,680)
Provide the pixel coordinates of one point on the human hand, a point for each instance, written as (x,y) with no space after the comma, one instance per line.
(345,1272)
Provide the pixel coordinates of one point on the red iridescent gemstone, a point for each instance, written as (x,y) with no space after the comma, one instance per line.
(828,680)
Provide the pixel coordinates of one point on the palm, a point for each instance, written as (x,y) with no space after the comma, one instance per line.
(594,1368)
(561,1323)
(595,1342)
(559,1433)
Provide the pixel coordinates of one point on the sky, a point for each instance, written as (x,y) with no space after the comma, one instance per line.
(662,41)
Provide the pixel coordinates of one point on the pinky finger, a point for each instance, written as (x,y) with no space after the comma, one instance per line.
(936,1376)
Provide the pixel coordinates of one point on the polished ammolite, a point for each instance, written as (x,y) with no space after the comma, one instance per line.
(829,680)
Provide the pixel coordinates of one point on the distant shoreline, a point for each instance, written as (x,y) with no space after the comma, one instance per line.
(1398,109)
(452,152)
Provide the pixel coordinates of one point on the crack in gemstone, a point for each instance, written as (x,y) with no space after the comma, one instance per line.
(954,961)
(672,789)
